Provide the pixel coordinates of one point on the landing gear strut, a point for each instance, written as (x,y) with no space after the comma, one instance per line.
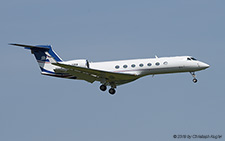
(194,76)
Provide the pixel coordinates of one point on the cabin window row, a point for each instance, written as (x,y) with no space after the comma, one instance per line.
(140,65)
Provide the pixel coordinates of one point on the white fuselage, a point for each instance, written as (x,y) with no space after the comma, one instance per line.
(137,67)
(151,66)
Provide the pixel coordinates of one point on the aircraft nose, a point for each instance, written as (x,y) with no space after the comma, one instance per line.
(203,65)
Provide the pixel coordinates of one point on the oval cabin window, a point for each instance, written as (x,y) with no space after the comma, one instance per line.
(157,63)
(141,65)
(117,66)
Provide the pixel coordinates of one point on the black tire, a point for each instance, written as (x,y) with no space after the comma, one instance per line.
(103,87)
(195,80)
(112,91)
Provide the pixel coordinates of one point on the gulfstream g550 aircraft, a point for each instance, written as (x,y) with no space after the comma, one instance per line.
(111,73)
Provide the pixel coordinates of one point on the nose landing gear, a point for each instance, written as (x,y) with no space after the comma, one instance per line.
(194,76)
(195,80)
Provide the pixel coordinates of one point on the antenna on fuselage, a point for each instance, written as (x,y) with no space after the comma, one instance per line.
(156,56)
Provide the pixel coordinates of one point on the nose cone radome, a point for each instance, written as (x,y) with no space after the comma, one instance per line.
(203,65)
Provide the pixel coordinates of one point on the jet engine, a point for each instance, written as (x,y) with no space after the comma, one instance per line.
(81,63)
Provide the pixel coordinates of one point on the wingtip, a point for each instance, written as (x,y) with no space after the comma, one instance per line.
(11,44)
(14,44)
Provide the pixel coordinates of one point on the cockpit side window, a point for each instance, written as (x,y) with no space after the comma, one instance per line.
(193,58)
(189,59)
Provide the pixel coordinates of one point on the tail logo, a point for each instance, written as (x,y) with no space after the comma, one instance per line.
(43,58)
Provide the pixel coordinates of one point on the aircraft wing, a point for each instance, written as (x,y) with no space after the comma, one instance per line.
(98,75)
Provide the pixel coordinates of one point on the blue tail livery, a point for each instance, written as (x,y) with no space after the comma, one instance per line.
(44,55)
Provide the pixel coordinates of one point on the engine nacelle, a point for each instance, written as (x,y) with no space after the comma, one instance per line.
(81,63)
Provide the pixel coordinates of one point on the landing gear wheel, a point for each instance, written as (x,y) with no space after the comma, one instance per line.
(195,80)
(103,87)
(112,91)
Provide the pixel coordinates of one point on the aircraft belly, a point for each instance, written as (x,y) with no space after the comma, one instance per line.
(168,70)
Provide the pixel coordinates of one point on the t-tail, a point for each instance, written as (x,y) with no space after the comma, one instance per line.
(44,55)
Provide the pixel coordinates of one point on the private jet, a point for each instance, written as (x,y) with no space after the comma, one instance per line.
(111,73)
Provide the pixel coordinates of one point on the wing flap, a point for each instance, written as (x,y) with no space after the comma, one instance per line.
(82,76)
(77,74)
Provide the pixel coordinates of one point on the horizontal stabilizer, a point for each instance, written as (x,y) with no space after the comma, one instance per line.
(30,46)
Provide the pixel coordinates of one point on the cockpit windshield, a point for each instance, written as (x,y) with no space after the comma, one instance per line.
(191,58)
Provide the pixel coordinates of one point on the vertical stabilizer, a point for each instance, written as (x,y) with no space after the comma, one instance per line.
(44,55)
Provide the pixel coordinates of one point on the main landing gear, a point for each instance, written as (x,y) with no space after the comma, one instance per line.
(103,87)
(112,90)
(194,77)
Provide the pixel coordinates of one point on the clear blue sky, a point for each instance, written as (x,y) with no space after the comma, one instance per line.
(40,108)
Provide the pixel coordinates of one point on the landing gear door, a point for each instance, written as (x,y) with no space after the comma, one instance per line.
(87,64)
